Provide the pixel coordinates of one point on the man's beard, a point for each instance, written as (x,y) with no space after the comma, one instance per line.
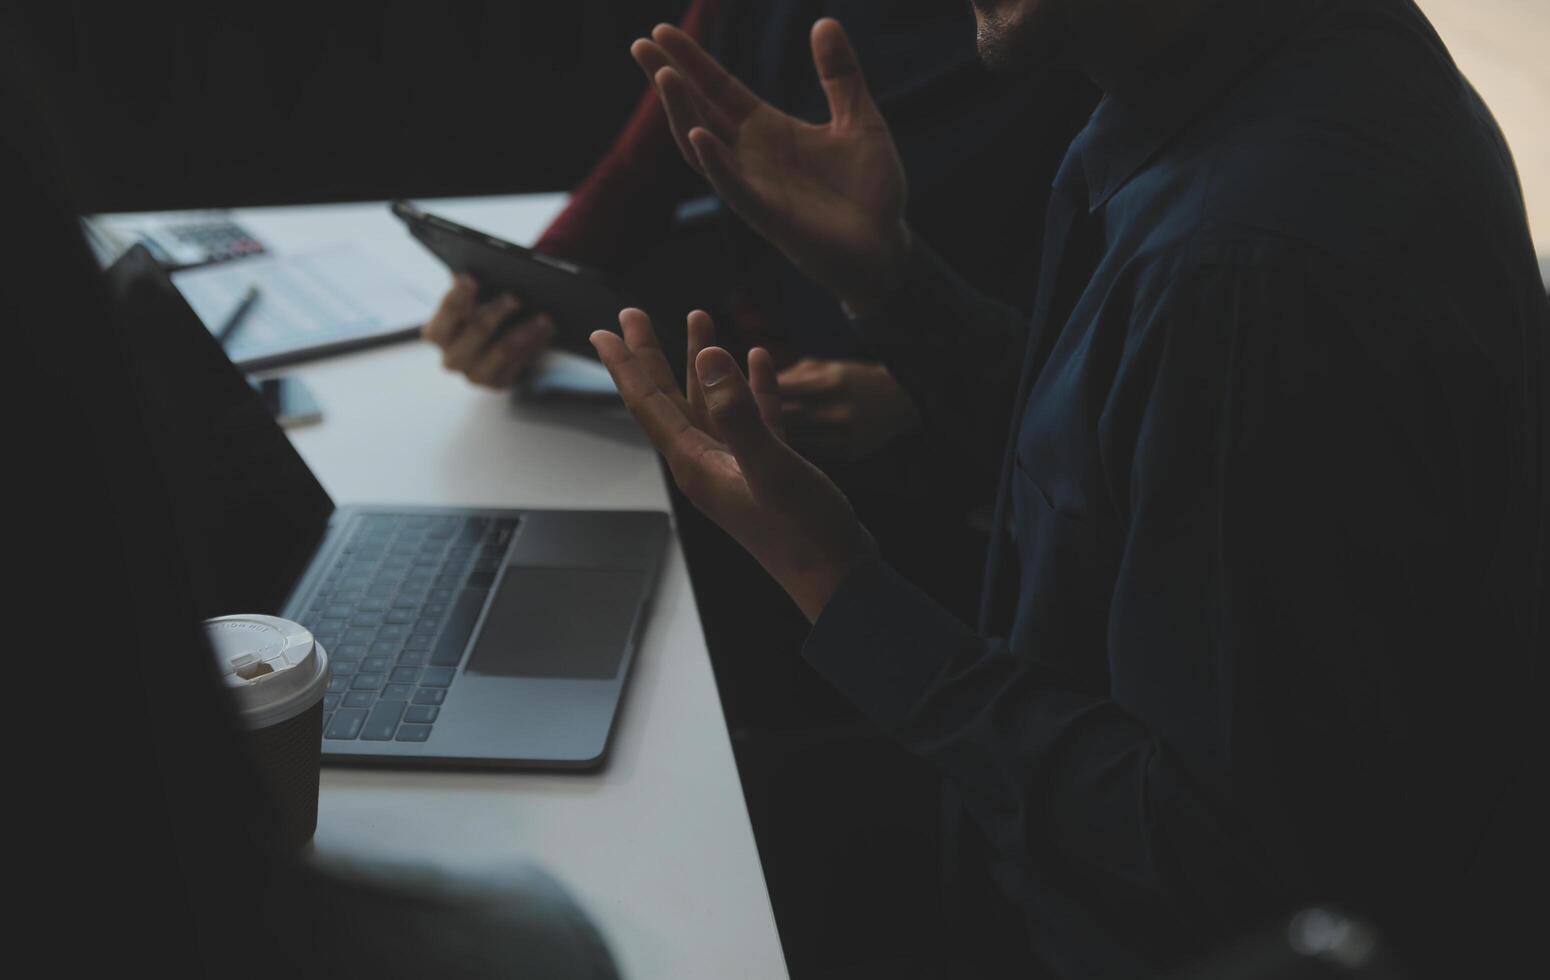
(1009,44)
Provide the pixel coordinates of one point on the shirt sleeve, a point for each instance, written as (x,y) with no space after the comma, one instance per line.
(956,351)
(1280,560)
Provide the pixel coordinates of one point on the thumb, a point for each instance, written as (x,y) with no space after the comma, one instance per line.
(839,71)
(734,412)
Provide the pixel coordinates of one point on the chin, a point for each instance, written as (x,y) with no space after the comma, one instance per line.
(1015,36)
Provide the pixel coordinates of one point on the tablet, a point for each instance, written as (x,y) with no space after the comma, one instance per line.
(580,299)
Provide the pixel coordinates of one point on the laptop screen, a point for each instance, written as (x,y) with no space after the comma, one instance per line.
(250,513)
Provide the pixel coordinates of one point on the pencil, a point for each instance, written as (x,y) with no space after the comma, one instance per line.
(223,335)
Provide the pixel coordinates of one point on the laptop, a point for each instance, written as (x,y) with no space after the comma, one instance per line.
(458,637)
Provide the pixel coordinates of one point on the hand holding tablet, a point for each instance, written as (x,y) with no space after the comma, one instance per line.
(555,301)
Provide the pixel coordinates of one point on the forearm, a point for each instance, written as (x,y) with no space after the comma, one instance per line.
(956,351)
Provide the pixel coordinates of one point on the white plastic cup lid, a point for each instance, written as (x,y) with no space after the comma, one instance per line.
(273,667)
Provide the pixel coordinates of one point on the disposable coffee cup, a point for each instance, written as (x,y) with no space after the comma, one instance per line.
(277,674)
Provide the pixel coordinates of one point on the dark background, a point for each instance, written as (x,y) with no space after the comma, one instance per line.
(173,105)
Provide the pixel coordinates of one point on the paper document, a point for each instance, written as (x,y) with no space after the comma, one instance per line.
(332,297)
(563,373)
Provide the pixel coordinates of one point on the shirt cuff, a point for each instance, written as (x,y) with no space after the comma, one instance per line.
(927,292)
(882,642)
(922,284)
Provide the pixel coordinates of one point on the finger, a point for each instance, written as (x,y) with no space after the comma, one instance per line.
(641,339)
(463,352)
(454,308)
(510,356)
(663,420)
(479,328)
(650,56)
(808,386)
(839,71)
(523,361)
(765,385)
(682,114)
(806,365)
(702,333)
(720,167)
(697,109)
(735,414)
(806,415)
(811,379)
(723,92)
(684,102)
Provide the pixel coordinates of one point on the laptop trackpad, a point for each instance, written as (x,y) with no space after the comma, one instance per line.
(558,623)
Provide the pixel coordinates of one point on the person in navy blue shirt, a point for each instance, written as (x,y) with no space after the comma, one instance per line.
(1271,452)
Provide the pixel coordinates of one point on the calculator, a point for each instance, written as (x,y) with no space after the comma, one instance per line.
(176,239)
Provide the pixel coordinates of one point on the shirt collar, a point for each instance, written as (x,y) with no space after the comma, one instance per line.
(1146,109)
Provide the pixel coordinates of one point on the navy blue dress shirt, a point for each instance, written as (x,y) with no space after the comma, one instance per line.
(1274,477)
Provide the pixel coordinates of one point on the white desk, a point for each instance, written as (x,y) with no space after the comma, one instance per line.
(657,846)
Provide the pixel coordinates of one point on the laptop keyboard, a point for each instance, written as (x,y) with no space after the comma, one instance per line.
(394,612)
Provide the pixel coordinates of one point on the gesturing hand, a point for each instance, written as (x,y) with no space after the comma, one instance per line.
(830,196)
(722,444)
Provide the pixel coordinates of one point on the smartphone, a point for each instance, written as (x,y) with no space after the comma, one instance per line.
(580,299)
(288,400)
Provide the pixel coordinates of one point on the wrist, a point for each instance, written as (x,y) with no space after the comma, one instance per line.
(886,278)
(816,586)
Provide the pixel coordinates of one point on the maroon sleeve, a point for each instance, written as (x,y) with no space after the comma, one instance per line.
(625,203)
